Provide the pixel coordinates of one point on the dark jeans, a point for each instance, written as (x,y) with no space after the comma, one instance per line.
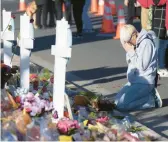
(52,12)
(59,12)
(132,12)
(77,13)
(41,12)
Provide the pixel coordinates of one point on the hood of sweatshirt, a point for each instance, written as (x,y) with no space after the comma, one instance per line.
(145,34)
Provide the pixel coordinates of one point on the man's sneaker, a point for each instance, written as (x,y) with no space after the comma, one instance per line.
(78,35)
(163,72)
(158,100)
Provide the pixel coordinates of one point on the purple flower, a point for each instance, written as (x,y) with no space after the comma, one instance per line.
(27,105)
(30,96)
(42,104)
(55,114)
(35,110)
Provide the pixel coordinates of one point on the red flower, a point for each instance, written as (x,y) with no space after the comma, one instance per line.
(44,89)
(52,79)
(13,16)
(31,20)
(17,99)
(28,109)
(66,114)
(51,99)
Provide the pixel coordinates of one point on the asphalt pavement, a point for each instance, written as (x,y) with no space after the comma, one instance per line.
(97,64)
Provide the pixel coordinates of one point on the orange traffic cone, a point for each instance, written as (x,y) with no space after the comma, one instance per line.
(113,7)
(100,7)
(121,21)
(22,5)
(107,24)
(94,6)
(63,8)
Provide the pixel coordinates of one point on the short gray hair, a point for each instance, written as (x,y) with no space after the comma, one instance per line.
(126,33)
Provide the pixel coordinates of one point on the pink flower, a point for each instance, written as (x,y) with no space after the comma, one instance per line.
(52,79)
(102,119)
(42,104)
(47,106)
(64,126)
(27,105)
(35,110)
(30,96)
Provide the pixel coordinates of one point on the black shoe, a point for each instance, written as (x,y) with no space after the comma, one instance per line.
(78,35)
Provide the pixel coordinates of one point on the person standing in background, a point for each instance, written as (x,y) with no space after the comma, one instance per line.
(59,11)
(41,12)
(132,11)
(160,27)
(87,25)
(52,13)
(78,6)
(145,5)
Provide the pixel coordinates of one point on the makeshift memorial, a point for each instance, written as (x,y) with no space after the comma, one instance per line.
(29,114)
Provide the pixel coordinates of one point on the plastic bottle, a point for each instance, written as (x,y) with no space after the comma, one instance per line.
(47,134)
(82,114)
(86,134)
(33,132)
(8,132)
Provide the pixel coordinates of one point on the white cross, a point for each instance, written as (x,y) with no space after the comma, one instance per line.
(8,36)
(61,51)
(26,44)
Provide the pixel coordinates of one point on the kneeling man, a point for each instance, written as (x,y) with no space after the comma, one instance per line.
(141,57)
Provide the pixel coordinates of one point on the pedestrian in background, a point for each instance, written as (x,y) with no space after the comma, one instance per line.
(78,6)
(145,5)
(59,10)
(87,25)
(160,27)
(41,13)
(132,11)
(52,13)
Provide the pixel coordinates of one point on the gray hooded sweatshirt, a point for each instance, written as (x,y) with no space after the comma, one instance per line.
(142,62)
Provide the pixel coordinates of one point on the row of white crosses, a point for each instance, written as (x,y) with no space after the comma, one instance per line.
(61,50)
(26,43)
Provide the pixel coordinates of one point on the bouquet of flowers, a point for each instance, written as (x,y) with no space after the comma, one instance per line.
(67,126)
(34,105)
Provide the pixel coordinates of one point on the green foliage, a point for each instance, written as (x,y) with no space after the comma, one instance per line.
(136,129)
(44,74)
(90,95)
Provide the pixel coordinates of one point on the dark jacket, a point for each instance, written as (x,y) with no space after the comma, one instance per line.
(40,2)
(132,10)
(158,22)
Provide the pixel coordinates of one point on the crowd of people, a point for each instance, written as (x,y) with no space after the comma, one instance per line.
(55,10)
